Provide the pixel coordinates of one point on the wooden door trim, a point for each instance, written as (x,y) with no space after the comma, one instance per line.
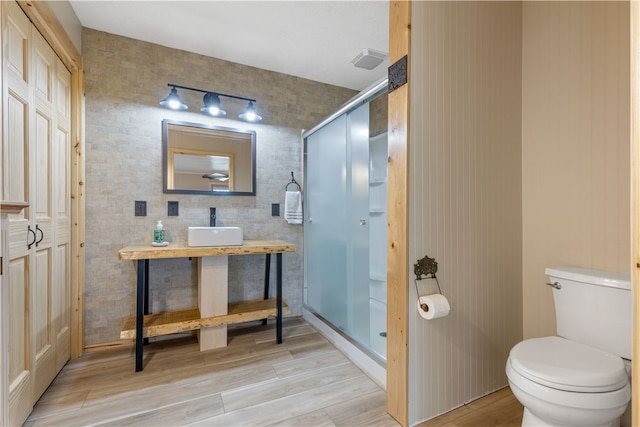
(397,238)
(45,20)
(635,202)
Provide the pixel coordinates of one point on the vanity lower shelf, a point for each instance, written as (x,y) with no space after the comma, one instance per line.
(171,322)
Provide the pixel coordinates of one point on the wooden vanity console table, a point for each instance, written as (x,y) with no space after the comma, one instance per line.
(213,312)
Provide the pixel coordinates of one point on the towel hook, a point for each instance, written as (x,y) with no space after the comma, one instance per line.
(293,181)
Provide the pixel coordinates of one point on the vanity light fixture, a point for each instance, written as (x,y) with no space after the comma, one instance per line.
(212,105)
(249,114)
(173,101)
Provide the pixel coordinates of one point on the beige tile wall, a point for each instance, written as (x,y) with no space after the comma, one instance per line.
(575,145)
(465,198)
(125,79)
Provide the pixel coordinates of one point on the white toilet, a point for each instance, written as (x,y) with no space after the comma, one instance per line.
(580,377)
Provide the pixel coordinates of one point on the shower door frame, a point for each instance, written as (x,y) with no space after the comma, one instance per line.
(364,97)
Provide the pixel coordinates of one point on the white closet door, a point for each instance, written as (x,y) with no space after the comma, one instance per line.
(42,61)
(50,154)
(36,152)
(60,319)
(16,103)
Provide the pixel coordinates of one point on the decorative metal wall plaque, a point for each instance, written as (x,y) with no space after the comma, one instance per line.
(427,267)
(398,74)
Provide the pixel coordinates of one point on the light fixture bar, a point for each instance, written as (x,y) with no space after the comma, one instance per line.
(211,102)
(211,91)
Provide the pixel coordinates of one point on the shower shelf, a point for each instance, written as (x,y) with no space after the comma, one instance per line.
(377,210)
(377,277)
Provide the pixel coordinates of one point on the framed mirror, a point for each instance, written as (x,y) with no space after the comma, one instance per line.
(205,159)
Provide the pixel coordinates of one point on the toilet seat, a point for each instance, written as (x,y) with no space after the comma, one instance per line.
(581,408)
(567,365)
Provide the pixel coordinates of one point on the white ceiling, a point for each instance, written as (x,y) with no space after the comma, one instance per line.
(315,40)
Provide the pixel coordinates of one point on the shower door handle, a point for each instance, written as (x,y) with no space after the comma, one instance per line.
(363,221)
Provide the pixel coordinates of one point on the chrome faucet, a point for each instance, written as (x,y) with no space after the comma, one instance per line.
(212,217)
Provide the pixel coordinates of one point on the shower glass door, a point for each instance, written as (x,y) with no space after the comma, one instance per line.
(325,227)
(336,229)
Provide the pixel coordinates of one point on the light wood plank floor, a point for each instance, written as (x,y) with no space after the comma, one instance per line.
(304,381)
(499,409)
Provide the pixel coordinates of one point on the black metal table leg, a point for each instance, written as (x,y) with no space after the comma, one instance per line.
(279,298)
(267,271)
(146,295)
(143,269)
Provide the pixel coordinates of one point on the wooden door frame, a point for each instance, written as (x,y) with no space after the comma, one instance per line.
(634,53)
(45,20)
(397,207)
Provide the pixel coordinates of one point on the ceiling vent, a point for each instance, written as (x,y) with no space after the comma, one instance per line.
(369,59)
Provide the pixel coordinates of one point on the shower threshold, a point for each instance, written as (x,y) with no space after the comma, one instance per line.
(371,363)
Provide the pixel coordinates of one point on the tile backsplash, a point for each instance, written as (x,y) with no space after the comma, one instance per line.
(125,79)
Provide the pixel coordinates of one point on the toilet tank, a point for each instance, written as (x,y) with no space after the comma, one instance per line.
(594,307)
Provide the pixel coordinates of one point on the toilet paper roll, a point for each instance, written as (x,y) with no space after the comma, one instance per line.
(436,304)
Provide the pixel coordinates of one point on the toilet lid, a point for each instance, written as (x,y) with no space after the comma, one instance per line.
(567,365)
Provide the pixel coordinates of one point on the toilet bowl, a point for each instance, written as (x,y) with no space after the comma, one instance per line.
(565,383)
(580,377)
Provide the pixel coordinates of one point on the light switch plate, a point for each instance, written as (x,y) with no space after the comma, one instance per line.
(141,208)
(172,209)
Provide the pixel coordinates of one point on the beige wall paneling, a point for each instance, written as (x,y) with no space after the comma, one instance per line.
(635,199)
(465,198)
(397,260)
(575,145)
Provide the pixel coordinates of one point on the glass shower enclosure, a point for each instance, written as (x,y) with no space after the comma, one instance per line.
(345,227)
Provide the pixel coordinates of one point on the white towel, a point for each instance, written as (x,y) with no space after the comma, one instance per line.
(293,207)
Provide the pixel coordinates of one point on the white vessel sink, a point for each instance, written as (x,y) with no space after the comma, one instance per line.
(214,236)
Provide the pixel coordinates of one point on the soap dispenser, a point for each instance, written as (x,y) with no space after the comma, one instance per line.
(158,233)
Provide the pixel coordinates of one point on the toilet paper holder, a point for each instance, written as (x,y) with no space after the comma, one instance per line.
(427,267)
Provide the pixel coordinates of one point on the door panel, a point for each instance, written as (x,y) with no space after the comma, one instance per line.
(18,322)
(20,360)
(36,168)
(359,222)
(62,95)
(61,165)
(17,106)
(43,66)
(338,234)
(41,198)
(16,35)
(61,316)
(325,222)
(15,150)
